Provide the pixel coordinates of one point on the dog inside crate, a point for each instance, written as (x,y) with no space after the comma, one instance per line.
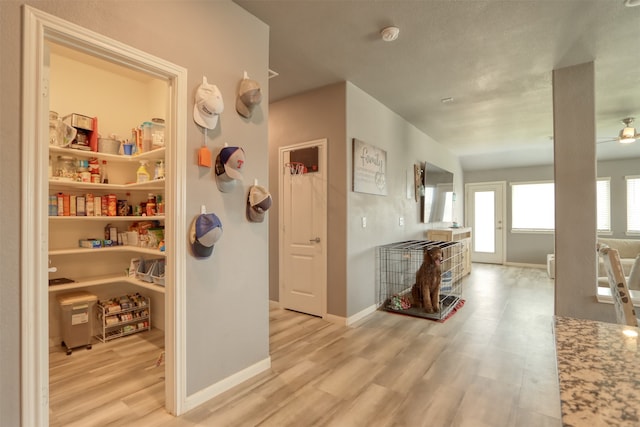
(407,269)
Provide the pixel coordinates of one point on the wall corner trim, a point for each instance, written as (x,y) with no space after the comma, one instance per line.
(348,321)
(231,381)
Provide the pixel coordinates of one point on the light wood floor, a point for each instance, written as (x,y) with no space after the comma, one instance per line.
(492,364)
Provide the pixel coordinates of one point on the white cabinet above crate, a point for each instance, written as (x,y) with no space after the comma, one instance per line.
(462,235)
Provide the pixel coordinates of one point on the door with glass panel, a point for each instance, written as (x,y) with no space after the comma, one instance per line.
(485,213)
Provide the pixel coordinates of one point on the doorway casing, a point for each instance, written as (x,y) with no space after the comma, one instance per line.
(38,28)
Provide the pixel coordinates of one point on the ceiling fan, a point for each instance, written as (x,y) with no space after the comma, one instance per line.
(627,135)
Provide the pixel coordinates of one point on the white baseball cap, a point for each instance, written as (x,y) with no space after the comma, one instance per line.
(209,105)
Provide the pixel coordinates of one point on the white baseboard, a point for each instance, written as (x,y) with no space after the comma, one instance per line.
(220,387)
(348,321)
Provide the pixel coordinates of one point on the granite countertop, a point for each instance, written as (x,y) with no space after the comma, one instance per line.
(598,372)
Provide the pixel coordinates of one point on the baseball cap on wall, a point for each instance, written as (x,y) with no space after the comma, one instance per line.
(258,202)
(249,95)
(206,230)
(229,164)
(208,106)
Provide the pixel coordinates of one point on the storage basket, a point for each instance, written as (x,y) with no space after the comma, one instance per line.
(108,146)
(145,270)
(157,274)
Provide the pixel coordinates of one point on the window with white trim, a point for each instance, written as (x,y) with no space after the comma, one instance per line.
(603,203)
(633,204)
(533,206)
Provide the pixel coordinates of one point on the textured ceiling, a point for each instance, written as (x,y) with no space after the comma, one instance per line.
(494,58)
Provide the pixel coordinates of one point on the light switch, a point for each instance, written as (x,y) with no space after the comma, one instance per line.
(364,222)
(401,221)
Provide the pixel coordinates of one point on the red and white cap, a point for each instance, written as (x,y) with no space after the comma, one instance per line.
(229,165)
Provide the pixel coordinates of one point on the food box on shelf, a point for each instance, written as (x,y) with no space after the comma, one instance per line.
(90,243)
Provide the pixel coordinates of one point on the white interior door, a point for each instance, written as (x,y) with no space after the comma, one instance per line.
(486,214)
(303,218)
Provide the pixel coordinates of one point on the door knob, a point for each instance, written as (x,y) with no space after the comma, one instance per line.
(316,240)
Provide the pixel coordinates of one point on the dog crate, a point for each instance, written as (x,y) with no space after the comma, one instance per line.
(397,264)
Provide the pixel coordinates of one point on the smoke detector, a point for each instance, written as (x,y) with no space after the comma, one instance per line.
(389,34)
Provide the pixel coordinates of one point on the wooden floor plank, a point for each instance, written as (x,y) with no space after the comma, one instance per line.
(491,364)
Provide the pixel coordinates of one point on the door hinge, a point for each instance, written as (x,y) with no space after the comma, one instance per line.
(45,88)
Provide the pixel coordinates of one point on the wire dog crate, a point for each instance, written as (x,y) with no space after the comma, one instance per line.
(397,264)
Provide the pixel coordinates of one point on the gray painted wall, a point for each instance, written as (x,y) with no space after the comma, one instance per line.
(370,121)
(530,248)
(575,194)
(306,117)
(521,247)
(216,39)
(340,113)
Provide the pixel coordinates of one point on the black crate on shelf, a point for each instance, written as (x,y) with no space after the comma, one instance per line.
(397,264)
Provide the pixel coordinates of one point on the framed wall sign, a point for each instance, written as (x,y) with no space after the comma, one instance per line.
(369,168)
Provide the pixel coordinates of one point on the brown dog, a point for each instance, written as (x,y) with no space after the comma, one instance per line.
(426,291)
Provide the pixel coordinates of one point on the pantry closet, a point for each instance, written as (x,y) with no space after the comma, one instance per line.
(72,70)
(88,243)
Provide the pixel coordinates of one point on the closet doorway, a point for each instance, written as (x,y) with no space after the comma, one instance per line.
(41,31)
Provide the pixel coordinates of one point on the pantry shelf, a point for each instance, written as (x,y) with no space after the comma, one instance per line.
(58,184)
(125,248)
(106,280)
(157,154)
(107,218)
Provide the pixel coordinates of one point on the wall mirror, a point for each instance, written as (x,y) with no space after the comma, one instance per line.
(437,194)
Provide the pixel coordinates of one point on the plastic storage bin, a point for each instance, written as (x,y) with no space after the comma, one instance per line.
(146,268)
(157,273)
(76,319)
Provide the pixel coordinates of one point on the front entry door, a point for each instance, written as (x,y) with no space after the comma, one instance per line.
(303,218)
(485,210)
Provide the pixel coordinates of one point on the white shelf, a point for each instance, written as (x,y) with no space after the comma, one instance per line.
(123,248)
(107,218)
(157,154)
(155,184)
(105,280)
